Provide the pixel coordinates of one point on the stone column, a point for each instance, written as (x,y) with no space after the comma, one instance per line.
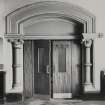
(17,66)
(88,64)
(89,87)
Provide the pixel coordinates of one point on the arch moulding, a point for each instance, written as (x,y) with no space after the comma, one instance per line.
(55,8)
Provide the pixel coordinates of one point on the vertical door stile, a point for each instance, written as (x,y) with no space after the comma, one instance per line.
(28,69)
(76,67)
(33,67)
(69,64)
(50,71)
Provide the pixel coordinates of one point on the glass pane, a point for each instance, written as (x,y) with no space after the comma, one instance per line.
(62,59)
(43,59)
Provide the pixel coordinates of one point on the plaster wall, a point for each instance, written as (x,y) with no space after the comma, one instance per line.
(1,51)
(96,7)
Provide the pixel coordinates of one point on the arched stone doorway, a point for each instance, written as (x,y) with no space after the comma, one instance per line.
(53,21)
(56,55)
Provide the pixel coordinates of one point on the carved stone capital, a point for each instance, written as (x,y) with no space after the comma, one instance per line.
(88,37)
(92,36)
(14,38)
(18,41)
(88,43)
(10,40)
(15,41)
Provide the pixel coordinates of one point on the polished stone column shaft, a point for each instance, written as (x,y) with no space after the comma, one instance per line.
(88,64)
(16,63)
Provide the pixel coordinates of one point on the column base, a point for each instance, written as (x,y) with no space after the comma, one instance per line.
(90,88)
(14,97)
(14,94)
(17,88)
(16,85)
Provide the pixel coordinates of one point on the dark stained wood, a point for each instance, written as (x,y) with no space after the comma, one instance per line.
(28,69)
(76,67)
(2,86)
(41,83)
(41,75)
(61,81)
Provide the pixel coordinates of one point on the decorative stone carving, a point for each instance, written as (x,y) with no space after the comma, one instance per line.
(17,44)
(92,36)
(15,38)
(87,41)
(50,7)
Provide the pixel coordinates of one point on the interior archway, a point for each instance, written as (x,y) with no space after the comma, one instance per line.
(49,20)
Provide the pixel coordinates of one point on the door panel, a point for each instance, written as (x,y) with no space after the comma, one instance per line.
(62,69)
(41,75)
(28,68)
(66,69)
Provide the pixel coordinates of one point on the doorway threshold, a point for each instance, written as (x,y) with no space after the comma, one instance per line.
(67,100)
(41,96)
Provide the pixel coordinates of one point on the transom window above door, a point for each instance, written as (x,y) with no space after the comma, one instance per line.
(51,27)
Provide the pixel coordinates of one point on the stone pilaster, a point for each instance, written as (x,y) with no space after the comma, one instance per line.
(88,64)
(88,38)
(17,66)
(17,46)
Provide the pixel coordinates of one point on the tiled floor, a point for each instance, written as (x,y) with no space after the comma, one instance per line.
(47,101)
(57,102)
(42,102)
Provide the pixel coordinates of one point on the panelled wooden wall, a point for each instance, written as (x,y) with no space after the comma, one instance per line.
(28,68)
(76,67)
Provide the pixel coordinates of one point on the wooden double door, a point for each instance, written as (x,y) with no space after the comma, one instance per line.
(57,68)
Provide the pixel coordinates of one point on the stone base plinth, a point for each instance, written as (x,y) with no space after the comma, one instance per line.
(90,88)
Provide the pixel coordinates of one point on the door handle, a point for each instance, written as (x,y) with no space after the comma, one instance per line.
(47,69)
(78,65)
